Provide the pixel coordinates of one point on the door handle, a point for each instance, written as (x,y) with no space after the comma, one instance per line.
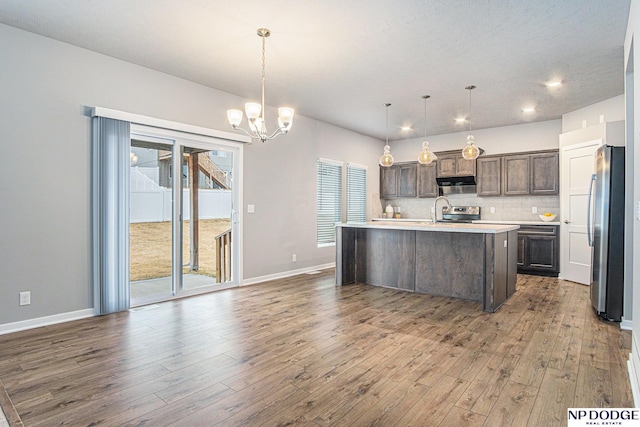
(589,225)
(566,221)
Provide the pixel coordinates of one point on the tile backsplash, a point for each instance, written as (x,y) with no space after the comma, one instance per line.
(506,208)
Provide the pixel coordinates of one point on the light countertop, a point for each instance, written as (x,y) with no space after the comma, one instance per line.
(481,221)
(416,225)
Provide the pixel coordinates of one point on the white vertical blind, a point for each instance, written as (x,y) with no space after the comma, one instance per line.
(110,214)
(329,202)
(356,193)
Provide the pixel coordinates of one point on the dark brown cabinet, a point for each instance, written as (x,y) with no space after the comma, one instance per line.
(544,173)
(451,163)
(521,174)
(407,180)
(515,175)
(538,250)
(427,185)
(489,178)
(388,182)
(399,180)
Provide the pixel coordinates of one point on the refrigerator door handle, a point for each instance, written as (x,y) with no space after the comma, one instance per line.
(589,225)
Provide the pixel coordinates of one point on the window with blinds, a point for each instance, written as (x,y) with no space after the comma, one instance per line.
(329,202)
(356,193)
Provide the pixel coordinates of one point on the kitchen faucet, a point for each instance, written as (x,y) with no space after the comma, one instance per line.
(435,202)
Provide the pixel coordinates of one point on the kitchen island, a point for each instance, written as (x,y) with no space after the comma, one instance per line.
(477,262)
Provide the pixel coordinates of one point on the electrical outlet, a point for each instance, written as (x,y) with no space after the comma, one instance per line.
(25,298)
(492,209)
(293,257)
(251,208)
(534,209)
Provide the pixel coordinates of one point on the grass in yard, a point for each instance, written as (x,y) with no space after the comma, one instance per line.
(150,244)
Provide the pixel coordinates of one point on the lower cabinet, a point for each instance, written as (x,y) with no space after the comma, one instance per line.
(538,250)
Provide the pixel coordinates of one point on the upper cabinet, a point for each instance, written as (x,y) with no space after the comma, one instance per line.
(388,182)
(451,163)
(521,174)
(489,177)
(407,180)
(544,173)
(427,185)
(399,180)
(515,175)
(518,174)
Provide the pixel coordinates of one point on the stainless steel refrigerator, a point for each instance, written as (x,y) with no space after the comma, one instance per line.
(605,232)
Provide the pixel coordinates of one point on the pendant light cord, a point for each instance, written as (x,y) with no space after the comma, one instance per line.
(263,79)
(470,88)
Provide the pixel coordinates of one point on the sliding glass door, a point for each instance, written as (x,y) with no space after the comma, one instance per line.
(183,225)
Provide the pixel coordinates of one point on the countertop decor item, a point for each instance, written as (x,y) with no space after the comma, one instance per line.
(547,217)
(255,111)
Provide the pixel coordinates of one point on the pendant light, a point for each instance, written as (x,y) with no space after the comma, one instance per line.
(255,111)
(471,151)
(386,159)
(426,156)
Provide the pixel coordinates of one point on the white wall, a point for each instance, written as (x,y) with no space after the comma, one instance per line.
(45,130)
(632,103)
(506,139)
(611,109)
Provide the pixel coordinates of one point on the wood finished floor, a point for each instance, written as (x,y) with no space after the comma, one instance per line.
(301,351)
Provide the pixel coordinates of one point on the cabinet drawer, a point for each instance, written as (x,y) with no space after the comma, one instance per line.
(547,230)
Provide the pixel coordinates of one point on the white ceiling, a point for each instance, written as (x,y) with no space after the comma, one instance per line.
(338,61)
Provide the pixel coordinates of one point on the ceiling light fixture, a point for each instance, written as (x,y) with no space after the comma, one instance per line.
(426,156)
(460,120)
(554,83)
(386,159)
(255,111)
(528,110)
(471,150)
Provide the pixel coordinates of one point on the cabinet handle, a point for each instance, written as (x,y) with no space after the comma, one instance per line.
(566,221)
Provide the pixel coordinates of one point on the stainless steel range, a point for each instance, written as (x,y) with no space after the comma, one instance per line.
(465,214)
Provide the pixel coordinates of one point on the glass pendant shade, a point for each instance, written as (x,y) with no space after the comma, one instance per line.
(426,156)
(285,117)
(234,117)
(252,109)
(471,151)
(386,159)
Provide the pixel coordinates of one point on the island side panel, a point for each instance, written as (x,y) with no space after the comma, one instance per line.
(450,264)
(496,271)
(386,258)
(512,263)
(345,255)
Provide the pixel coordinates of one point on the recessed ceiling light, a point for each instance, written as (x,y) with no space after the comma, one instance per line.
(405,128)
(460,120)
(528,110)
(554,83)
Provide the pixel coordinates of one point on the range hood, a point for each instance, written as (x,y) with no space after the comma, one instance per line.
(456,185)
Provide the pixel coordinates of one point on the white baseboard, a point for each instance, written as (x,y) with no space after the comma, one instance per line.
(626,325)
(260,279)
(8,328)
(634,374)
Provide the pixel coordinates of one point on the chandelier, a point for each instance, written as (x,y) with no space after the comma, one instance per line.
(255,111)
(471,150)
(386,159)
(426,156)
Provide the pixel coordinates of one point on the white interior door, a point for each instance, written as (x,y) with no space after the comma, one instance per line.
(577,165)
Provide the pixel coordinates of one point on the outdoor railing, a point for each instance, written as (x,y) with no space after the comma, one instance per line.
(223,256)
